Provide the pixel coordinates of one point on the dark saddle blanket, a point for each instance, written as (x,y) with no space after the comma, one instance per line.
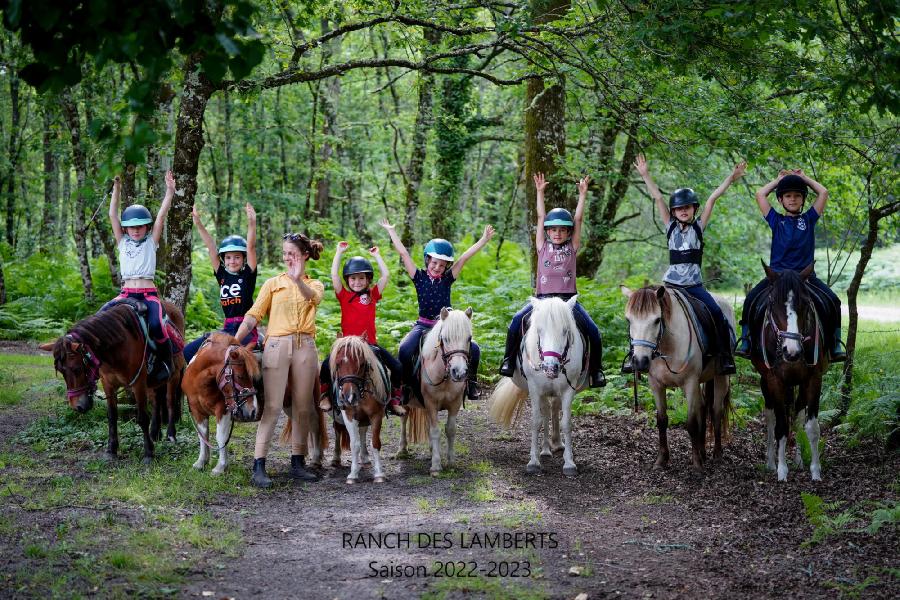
(140,311)
(701,318)
(821,303)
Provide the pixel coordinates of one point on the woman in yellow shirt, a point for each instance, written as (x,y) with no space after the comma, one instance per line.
(289,301)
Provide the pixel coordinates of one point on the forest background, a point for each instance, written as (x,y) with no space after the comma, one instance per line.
(328,116)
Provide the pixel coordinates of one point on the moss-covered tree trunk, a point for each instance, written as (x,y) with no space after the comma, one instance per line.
(73,121)
(47,236)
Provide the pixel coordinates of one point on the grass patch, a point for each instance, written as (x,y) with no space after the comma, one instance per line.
(515,516)
(484,587)
(25,379)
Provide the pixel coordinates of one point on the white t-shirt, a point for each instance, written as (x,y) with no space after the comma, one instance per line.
(137,260)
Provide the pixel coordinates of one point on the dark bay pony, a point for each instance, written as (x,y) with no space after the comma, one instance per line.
(219,382)
(361,392)
(111,346)
(788,353)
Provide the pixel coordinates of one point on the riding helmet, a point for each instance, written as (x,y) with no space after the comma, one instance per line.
(233,243)
(135,215)
(559,217)
(439,248)
(683,197)
(356,265)
(791,183)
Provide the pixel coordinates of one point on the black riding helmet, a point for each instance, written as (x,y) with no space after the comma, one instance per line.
(682,197)
(356,265)
(791,183)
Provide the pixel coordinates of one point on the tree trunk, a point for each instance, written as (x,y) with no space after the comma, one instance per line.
(47,236)
(70,111)
(329,107)
(451,143)
(196,92)
(66,176)
(221,224)
(13,154)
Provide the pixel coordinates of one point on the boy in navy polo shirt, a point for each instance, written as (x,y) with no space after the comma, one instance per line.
(793,245)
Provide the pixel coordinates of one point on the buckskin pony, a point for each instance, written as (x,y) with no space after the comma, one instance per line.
(444,368)
(550,372)
(666,346)
(219,382)
(787,352)
(112,346)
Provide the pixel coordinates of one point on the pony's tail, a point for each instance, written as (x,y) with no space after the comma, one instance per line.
(416,425)
(345,439)
(285,438)
(506,402)
(317,434)
(709,399)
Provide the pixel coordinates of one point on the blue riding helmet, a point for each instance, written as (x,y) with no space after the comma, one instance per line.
(357,265)
(135,215)
(559,217)
(233,243)
(439,248)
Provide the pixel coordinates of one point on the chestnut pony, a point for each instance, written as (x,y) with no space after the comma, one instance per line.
(219,382)
(111,346)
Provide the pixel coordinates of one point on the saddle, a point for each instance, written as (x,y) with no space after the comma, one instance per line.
(140,313)
(702,320)
(757,314)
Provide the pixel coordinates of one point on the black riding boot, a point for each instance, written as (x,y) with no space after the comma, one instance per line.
(162,368)
(513,341)
(260,479)
(726,360)
(837,349)
(298,469)
(472,389)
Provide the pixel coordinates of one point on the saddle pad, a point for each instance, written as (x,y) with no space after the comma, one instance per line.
(175,337)
(700,317)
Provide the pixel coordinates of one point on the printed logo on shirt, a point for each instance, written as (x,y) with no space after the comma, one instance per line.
(801,224)
(365,299)
(229,294)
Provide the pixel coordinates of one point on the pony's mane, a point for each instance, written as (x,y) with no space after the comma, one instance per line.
(644,303)
(358,349)
(787,282)
(554,315)
(100,330)
(458,328)
(222,340)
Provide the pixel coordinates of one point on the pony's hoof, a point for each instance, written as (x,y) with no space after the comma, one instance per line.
(171,438)
(782,474)
(435,473)
(816,474)
(570,471)
(546,453)
(660,464)
(379,479)
(199,465)
(350,481)
(532,469)
(218,471)
(110,456)
(557,449)
(335,464)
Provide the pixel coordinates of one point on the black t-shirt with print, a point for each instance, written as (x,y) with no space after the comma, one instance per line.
(236,290)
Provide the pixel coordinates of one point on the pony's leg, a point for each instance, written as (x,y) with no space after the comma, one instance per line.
(353,429)
(434,433)
(143,419)
(719,390)
(172,389)
(569,468)
(336,456)
(378,475)
(811,397)
(364,458)
(798,455)
(537,420)
(770,439)
(112,420)
(403,452)
(223,429)
(695,420)
(662,423)
(156,419)
(782,429)
(450,430)
(203,429)
(546,410)
(556,408)
(316,449)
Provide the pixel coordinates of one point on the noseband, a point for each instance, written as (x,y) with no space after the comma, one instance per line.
(91,364)
(446,356)
(782,335)
(654,346)
(359,382)
(239,395)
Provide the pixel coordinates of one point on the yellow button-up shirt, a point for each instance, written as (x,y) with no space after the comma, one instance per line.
(288,310)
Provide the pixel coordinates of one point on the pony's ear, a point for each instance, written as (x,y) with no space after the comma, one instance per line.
(626,291)
(806,272)
(48,347)
(532,300)
(571,301)
(365,336)
(444,313)
(660,292)
(469,312)
(772,275)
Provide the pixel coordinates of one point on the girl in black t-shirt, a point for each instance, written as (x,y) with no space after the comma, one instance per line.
(234,265)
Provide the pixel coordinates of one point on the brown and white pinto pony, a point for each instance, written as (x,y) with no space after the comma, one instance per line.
(219,382)
(445,366)
(788,353)
(361,394)
(666,347)
(111,346)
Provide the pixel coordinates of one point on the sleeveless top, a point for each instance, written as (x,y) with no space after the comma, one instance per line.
(555,269)
(137,260)
(685,254)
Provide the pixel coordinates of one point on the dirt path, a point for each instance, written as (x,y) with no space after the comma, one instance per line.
(884,314)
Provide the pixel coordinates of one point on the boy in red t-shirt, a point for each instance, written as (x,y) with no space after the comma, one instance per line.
(358,304)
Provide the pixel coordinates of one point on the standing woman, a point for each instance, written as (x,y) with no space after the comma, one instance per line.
(289,301)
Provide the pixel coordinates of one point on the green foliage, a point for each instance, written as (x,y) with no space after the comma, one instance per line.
(824,525)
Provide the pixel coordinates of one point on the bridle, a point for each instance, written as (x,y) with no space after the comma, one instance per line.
(781,335)
(563,359)
(239,395)
(91,364)
(654,345)
(360,382)
(446,356)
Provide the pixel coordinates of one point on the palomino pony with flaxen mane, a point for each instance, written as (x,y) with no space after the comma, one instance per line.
(219,382)
(361,392)
(112,346)
(445,366)
(787,344)
(666,346)
(550,372)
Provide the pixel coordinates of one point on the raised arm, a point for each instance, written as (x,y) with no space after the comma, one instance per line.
(383,273)
(818,188)
(540,184)
(473,249)
(736,174)
(405,258)
(643,169)
(251,236)
(114,209)
(579,211)
(207,239)
(336,282)
(164,207)
(762,194)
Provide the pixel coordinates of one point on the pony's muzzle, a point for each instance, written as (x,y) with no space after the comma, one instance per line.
(550,368)
(81,404)
(791,354)
(458,373)
(641,363)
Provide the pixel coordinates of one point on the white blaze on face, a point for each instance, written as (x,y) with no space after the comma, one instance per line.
(792,346)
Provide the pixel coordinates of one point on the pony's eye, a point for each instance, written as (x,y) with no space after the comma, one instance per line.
(656,321)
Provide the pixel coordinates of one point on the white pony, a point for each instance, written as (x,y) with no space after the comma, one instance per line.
(445,367)
(551,372)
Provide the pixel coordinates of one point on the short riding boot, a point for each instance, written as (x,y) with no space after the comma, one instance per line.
(627,366)
(507,367)
(162,368)
(472,390)
(837,351)
(726,364)
(298,469)
(743,349)
(260,479)
(598,379)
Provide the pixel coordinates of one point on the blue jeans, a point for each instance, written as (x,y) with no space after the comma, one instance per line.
(585,325)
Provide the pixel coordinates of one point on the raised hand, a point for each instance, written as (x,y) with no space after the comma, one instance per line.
(251,213)
(540,182)
(488,233)
(342,247)
(739,170)
(640,163)
(583,184)
(374,251)
(170,181)
(386,224)
(195,214)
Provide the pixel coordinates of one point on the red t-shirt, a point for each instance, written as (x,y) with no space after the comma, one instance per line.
(358,312)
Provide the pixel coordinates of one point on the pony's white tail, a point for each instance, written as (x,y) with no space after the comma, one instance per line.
(417,430)
(506,402)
